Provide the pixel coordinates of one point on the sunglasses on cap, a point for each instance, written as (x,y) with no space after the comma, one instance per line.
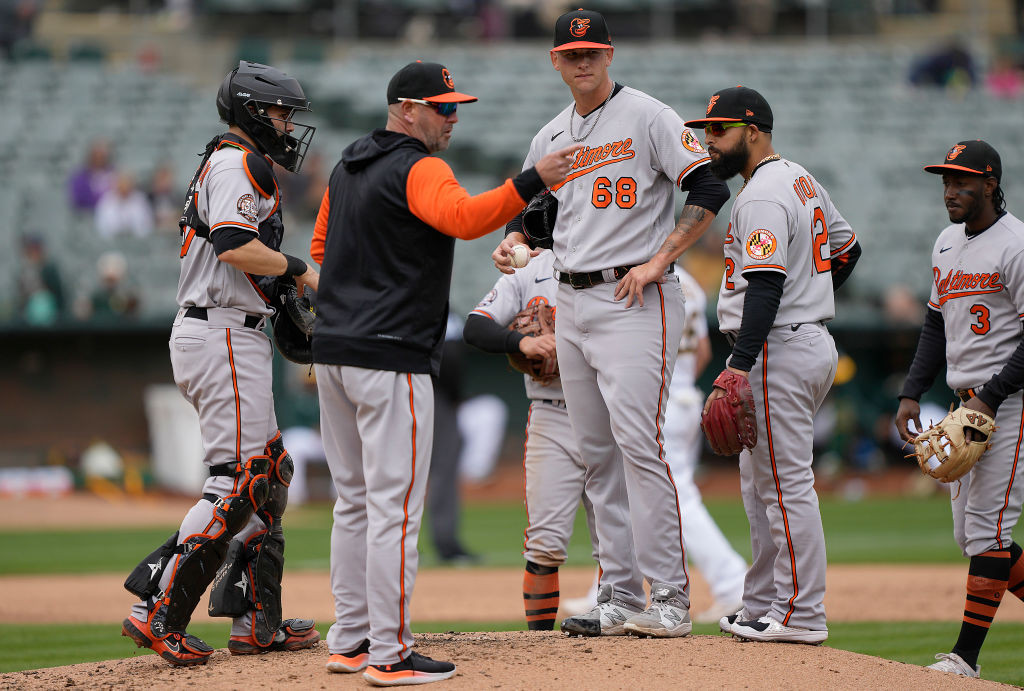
(443,109)
(717,129)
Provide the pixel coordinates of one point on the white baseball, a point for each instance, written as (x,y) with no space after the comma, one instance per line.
(520,256)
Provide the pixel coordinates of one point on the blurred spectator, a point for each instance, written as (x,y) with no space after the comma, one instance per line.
(112,299)
(304,191)
(40,290)
(902,307)
(1005,79)
(124,209)
(950,67)
(88,183)
(16,20)
(165,199)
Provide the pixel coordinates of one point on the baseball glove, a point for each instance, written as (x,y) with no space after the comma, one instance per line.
(729,422)
(539,220)
(293,323)
(947,442)
(535,320)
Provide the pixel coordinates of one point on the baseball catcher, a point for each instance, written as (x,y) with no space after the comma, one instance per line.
(536,320)
(955,452)
(728,420)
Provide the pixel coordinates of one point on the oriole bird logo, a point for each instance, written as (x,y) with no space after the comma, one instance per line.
(578,27)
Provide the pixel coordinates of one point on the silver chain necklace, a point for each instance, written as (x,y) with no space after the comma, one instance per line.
(600,111)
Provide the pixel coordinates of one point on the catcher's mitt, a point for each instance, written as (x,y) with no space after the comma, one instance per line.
(535,320)
(293,323)
(947,442)
(729,422)
(539,220)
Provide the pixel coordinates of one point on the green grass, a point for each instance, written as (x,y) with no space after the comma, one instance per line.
(886,530)
(24,646)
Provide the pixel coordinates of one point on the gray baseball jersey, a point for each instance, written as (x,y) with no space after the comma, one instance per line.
(533,284)
(616,209)
(225,197)
(978,287)
(616,206)
(784,221)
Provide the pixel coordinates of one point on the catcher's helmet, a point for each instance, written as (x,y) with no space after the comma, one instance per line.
(242,100)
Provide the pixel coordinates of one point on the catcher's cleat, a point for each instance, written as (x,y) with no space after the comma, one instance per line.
(353,661)
(177,647)
(294,634)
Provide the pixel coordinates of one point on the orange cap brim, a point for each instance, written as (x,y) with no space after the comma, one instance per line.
(451,97)
(576,45)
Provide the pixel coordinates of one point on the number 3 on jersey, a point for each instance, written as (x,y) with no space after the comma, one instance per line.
(623,193)
(983,325)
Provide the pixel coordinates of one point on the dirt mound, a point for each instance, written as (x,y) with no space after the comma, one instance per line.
(527,660)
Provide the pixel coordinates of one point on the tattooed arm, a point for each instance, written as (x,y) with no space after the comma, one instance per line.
(693,221)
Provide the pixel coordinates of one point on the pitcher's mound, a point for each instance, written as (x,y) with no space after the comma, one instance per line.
(527,660)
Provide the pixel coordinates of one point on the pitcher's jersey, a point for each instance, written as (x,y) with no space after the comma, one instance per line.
(783,220)
(532,284)
(978,285)
(616,207)
(225,197)
(695,328)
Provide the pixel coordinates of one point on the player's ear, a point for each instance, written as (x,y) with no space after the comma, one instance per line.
(554,60)
(610,51)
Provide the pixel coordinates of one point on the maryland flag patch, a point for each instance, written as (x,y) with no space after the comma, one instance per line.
(761,244)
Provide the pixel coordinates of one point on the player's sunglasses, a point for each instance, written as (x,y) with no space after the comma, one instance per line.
(443,109)
(717,129)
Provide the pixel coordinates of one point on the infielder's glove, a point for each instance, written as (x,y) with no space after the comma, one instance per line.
(539,220)
(293,323)
(947,441)
(729,422)
(535,320)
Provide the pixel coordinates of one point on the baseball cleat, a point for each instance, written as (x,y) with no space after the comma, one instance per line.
(954,664)
(725,623)
(415,669)
(293,634)
(177,647)
(607,618)
(353,661)
(766,629)
(667,617)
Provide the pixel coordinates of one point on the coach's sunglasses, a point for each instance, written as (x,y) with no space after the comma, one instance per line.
(717,129)
(443,109)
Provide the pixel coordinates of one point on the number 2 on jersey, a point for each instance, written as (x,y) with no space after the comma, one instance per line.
(820,240)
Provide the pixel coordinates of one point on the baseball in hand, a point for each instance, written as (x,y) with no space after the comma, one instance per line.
(520,256)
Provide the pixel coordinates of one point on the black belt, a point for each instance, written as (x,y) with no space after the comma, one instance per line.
(252,321)
(967,394)
(552,401)
(586,280)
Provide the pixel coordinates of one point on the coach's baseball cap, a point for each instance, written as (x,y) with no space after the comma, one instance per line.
(426,81)
(738,104)
(973,156)
(581,29)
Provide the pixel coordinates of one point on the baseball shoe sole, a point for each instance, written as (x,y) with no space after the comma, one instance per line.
(354,661)
(178,648)
(767,630)
(415,669)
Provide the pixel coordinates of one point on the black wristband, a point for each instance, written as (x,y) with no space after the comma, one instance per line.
(296,267)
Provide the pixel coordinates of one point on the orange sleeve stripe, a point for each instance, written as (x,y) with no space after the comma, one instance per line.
(484,314)
(234,224)
(436,198)
(316,245)
(758,267)
(687,169)
(848,245)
